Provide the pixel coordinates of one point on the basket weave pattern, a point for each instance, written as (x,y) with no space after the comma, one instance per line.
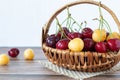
(81,61)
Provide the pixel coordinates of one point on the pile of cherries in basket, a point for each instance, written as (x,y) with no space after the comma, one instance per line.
(85,39)
(88,40)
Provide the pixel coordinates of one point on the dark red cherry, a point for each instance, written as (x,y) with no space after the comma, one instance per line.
(58,36)
(13,52)
(88,44)
(107,33)
(52,40)
(73,35)
(114,44)
(62,44)
(87,32)
(66,30)
(101,47)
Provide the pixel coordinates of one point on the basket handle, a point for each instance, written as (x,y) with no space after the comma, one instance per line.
(47,26)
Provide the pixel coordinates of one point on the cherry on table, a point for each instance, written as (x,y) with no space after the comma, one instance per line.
(4,59)
(13,52)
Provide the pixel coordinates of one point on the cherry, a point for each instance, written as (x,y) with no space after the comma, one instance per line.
(4,59)
(76,45)
(73,35)
(13,52)
(101,47)
(58,36)
(29,54)
(113,35)
(87,32)
(114,44)
(62,44)
(99,35)
(52,40)
(107,33)
(88,44)
(66,30)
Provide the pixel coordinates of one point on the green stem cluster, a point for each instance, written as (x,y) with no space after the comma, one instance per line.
(70,21)
(102,21)
(61,29)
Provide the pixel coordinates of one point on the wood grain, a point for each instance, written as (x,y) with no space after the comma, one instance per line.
(20,69)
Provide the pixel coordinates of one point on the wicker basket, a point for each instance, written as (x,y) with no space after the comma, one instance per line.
(81,61)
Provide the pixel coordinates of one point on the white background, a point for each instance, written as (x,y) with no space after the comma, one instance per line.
(21,21)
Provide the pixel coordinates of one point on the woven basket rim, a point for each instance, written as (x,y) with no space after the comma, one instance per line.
(44,44)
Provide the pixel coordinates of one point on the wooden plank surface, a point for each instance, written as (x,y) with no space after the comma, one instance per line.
(20,69)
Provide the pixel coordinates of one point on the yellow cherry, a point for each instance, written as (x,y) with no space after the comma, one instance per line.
(28,54)
(4,59)
(76,45)
(113,35)
(99,35)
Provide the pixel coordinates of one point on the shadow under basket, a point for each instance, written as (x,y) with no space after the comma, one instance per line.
(80,61)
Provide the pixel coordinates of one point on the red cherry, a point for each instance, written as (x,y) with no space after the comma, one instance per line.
(13,52)
(87,32)
(66,30)
(114,44)
(107,33)
(58,35)
(73,35)
(101,47)
(52,40)
(62,44)
(88,44)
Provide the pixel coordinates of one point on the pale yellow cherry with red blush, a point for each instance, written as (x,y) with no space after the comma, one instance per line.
(4,59)
(29,54)
(113,35)
(76,45)
(99,35)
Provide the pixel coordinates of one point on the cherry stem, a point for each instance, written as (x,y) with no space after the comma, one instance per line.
(80,26)
(100,9)
(71,27)
(76,22)
(56,29)
(101,17)
(105,22)
(64,21)
(71,18)
(62,31)
(69,21)
(85,23)
(68,18)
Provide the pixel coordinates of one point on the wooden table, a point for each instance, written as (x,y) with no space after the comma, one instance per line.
(20,69)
